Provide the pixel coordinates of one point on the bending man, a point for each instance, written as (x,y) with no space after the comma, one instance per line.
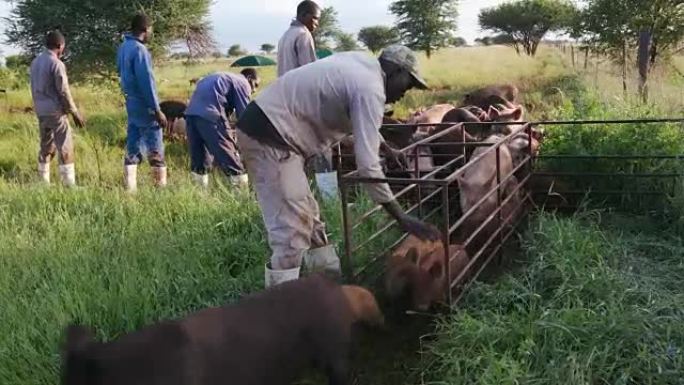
(214,99)
(298,116)
(52,103)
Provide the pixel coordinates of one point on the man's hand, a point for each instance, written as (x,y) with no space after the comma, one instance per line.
(78,119)
(395,157)
(161,119)
(424,231)
(420,229)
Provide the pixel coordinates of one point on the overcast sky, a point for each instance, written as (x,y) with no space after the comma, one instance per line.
(254,22)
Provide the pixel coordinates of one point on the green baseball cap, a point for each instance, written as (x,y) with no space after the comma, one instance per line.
(406,59)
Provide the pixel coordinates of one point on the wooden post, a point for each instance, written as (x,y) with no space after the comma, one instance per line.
(586,57)
(596,72)
(624,67)
(643,62)
(572,54)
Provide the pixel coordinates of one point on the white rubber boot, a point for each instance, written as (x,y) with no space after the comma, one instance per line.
(67,173)
(44,172)
(159,176)
(239,180)
(131,178)
(200,180)
(323,260)
(276,277)
(327,184)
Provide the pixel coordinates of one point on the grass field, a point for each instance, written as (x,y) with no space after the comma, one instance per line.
(594,299)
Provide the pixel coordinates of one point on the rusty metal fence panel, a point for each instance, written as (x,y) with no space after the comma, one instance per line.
(440,183)
(624,181)
(434,196)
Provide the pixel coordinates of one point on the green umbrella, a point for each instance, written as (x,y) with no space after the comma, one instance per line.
(323,53)
(253,61)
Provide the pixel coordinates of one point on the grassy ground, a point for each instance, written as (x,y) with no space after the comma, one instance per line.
(598,300)
(116,262)
(596,297)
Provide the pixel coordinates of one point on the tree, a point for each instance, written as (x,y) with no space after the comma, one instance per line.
(328,28)
(528,21)
(502,39)
(93,28)
(268,48)
(486,40)
(346,42)
(236,50)
(378,37)
(17,61)
(425,25)
(619,27)
(458,42)
(612,24)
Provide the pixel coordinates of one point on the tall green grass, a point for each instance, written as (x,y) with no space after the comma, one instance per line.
(592,303)
(116,262)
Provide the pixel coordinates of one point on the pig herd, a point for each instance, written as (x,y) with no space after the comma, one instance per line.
(416,270)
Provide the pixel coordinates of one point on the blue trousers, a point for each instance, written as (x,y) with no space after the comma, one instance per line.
(145,140)
(209,139)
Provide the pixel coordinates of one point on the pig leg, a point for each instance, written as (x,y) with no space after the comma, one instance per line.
(338,371)
(334,344)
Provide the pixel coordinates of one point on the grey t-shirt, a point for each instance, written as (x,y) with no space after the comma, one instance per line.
(295,48)
(314,106)
(50,86)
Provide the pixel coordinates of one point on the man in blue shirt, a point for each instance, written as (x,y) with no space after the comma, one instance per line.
(215,98)
(145,118)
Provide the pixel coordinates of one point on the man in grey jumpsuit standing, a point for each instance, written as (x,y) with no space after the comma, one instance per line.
(296,48)
(52,103)
(298,116)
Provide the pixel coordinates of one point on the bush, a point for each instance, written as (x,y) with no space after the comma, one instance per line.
(17,62)
(13,79)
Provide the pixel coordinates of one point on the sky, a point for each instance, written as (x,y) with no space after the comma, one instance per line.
(251,23)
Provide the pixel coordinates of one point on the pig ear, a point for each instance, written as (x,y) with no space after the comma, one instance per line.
(493,113)
(518,113)
(412,255)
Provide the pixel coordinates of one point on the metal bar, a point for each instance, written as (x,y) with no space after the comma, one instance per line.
(446,235)
(417,176)
(600,192)
(347,262)
(494,213)
(622,157)
(616,121)
(474,277)
(375,260)
(359,179)
(438,135)
(605,174)
(451,178)
(406,190)
(480,252)
(540,122)
(468,144)
(477,205)
(391,223)
(499,192)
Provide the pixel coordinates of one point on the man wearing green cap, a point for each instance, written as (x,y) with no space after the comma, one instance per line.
(298,116)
